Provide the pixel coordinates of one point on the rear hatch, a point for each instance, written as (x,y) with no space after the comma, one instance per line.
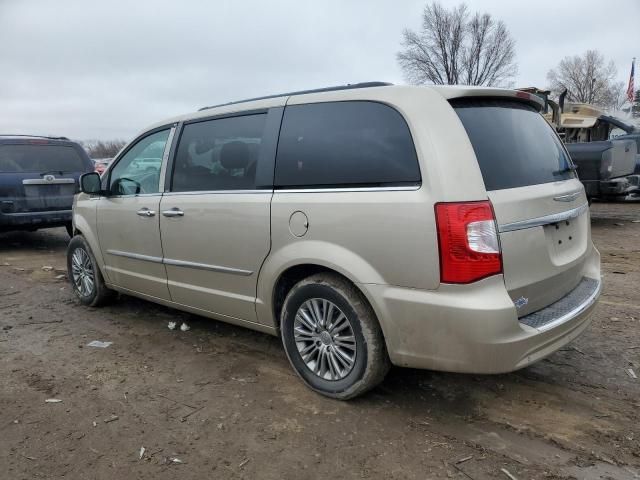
(540,206)
(38,176)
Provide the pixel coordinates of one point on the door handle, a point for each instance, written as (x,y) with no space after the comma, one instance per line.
(145,212)
(174,212)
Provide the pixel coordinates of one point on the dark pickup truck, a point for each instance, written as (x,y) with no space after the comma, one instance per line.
(605,167)
(38,179)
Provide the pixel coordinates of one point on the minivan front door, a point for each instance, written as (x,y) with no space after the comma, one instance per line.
(128,219)
(214,221)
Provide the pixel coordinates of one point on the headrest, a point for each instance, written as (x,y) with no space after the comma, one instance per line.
(234,155)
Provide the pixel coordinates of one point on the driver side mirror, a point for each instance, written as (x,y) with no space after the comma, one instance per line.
(90,183)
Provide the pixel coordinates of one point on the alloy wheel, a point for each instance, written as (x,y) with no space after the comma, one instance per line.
(325,339)
(82,271)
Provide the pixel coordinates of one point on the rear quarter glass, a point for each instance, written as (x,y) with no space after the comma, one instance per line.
(350,143)
(514,145)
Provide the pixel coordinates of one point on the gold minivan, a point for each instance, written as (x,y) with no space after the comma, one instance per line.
(367,225)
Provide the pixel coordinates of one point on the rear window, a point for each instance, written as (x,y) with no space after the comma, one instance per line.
(342,144)
(514,144)
(40,159)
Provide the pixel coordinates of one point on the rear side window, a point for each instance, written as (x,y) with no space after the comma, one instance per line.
(40,159)
(220,154)
(342,144)
(514,144)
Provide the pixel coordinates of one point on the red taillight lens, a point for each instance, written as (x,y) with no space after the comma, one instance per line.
(468,242)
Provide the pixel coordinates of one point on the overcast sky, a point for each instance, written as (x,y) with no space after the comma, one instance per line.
(107,69)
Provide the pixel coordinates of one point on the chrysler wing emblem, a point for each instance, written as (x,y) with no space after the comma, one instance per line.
(521,302)
(569,197)
(49,178)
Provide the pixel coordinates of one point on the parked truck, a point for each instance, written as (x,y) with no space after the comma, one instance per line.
(605,165)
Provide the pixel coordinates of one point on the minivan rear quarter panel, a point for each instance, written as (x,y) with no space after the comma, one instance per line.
(378,236)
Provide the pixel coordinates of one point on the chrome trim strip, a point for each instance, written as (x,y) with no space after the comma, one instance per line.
(136,195)
(165,159)
(545,220)
(347,189)
(576,311)
(204,266)
(42,181)
(135,256)
(569,197)
(212,192)
(45,214)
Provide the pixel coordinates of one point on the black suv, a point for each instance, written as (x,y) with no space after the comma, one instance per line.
(38,179)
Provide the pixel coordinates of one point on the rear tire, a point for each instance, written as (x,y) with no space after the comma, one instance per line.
(332,337)
(85,277)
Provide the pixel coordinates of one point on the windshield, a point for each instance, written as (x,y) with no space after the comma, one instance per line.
(40,159)
(514,144)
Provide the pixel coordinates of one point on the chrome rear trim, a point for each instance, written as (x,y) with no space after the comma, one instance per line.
(545,220)
(44,214)
(42,181)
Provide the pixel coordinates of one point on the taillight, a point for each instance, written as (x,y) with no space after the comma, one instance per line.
(468,241)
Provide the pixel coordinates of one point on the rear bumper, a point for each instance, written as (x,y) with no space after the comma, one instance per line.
(472,329)
(21,220)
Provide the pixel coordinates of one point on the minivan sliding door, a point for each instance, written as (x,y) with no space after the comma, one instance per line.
(215,218)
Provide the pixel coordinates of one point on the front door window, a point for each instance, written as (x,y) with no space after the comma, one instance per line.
(138,171)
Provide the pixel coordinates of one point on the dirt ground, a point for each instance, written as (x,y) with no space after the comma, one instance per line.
(220,401)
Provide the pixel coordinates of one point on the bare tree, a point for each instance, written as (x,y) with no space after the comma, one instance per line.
(617,97)
(103,149)
(454,47)
(588,78)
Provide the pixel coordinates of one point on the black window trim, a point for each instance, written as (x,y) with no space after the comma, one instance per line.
(265,170)
(354,187)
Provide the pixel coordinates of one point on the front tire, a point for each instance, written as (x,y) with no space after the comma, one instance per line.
(332,337)
(83,272)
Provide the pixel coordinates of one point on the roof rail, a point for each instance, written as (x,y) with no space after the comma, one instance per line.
(32,136)
(349,86)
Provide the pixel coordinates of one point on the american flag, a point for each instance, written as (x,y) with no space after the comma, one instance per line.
(631,88)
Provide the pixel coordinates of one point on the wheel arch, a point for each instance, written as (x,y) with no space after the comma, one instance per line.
(82,227)
(294,273)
